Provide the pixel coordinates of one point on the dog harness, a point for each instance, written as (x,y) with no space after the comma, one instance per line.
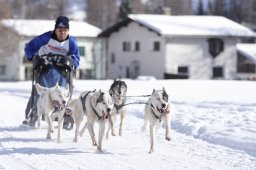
(118,107)
(84,98)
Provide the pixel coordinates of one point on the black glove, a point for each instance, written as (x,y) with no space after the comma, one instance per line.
(67,62)
(38,61)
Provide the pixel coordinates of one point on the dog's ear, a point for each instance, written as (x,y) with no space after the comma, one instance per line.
(165,95)
(111,92)
(153,91)
(67,94)
(40,89)
(57,85)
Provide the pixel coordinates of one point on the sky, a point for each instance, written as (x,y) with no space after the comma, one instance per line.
(213,128)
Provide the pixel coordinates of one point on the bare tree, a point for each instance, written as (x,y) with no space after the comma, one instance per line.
(137,7)
(180,7)
(5,9)
(7,37)
(41,9)
(101,13)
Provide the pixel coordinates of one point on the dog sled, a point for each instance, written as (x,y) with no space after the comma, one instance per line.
(47,70)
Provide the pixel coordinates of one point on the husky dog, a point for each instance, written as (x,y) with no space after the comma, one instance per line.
(97,106)
(118,91)
(156,110)
(51,103)
(77,107)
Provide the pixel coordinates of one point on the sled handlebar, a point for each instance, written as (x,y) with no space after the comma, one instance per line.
(53,59)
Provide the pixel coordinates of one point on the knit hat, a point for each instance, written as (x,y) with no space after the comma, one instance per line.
(62,22)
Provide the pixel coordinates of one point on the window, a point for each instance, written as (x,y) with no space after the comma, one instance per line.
(113,58)
(216,46)
(137,46)
(85,74)
(2,69)
(82,51)
(126,46)
(156,46)
(217,72)
(183,70)
(245,66)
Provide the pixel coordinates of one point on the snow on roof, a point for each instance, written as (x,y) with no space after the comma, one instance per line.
(37,27)
(192,25)
(248,50)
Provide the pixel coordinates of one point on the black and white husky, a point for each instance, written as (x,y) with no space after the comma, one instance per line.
(96,106)
(117,91)
(157,109)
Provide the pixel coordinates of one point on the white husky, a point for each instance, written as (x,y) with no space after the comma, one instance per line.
(157,109)
(77,108)
(118,91)
(97,107)
(51,103)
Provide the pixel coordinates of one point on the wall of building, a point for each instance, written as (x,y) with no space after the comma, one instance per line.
(151,63)
(193,52)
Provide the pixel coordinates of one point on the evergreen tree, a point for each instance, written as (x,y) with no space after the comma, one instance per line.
(124,9)
(209,10)
(200,8)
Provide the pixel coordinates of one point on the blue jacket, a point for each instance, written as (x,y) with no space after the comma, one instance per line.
(35,44)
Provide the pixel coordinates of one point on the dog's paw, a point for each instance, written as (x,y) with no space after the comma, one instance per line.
(99,148)
(48,136)
(75,140)
(151,151)
(168,138)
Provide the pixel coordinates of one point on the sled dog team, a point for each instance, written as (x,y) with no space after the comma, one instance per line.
(101,107)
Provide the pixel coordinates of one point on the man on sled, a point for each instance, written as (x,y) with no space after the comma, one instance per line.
(55,56)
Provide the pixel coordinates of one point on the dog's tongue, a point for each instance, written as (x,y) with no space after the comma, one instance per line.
(57,104)
(161,110)
(104,115)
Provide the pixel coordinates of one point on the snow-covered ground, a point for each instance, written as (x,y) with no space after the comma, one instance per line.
(213,127)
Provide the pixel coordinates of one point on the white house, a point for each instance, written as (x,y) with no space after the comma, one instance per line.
(15,67)
(194,47)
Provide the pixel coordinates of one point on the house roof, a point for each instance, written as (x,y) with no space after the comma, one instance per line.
(168,25)
(37,27)
(247,50)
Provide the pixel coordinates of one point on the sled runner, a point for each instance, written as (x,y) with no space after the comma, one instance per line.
(47,70)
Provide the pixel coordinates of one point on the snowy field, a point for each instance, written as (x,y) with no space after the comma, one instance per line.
(213,127)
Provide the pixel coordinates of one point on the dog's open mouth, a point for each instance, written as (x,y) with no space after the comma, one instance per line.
(118,96)
(105,115)
(57,104)
(162,110)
